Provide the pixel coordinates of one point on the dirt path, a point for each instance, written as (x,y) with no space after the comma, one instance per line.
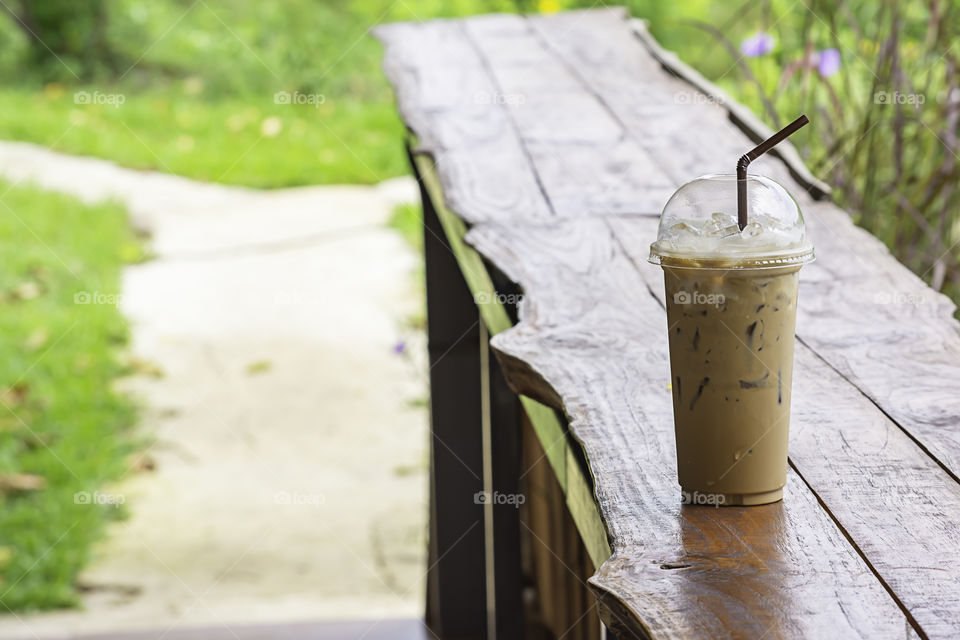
(290,479)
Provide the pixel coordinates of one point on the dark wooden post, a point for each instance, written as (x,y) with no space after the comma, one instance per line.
(456,584)
(501,423)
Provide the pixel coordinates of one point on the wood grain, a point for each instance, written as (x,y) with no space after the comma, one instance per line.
(887,332)
(449,100)
(585,163)
(591,329)
(898,504)
(686,131)
(559,176)
(906,358)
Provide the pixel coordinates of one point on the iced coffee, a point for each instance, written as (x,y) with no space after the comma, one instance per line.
(731,297)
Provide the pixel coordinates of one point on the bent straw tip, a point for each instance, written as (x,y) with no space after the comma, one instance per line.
(754,153)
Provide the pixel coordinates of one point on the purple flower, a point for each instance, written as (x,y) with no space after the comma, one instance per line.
(759,44)
(400,347)
(828,62)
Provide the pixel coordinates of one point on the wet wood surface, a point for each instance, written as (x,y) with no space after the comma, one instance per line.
(558,139)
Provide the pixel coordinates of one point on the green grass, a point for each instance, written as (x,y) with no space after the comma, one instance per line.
(248,141)
(198,90)
(60,422)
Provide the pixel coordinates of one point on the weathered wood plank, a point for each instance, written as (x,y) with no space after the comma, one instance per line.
(444,95)
(565,606)
(586,303)
(478,279)
(661,113)
(897,504)
(554,436)
(502,466)
(907,357)
(586,164)
(687,132)
(855,274)
(591,329)
(885,330)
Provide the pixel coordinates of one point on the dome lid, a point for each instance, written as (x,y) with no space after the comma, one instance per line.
(698,226)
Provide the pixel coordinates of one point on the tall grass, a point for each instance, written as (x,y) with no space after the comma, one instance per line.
(886,119)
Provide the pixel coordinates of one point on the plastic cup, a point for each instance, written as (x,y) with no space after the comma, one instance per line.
(731,299)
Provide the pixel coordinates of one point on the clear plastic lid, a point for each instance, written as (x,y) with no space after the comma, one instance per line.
(698,226)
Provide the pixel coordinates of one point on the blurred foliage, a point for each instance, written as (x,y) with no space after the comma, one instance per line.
(199,80)
(885,123)
(63,38)
(408,220)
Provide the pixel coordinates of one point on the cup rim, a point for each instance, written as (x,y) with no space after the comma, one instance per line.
(769,260)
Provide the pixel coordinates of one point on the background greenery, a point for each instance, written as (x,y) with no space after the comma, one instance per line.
(886,122)
(198,80)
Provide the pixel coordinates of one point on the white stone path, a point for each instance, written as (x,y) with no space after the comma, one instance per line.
(293,489)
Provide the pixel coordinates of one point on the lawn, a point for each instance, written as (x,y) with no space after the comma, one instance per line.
(230,139)
(63,429)
(196,91)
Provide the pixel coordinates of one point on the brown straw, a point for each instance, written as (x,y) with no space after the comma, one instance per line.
(752,155)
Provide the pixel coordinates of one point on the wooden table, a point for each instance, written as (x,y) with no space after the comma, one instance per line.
(546,147)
